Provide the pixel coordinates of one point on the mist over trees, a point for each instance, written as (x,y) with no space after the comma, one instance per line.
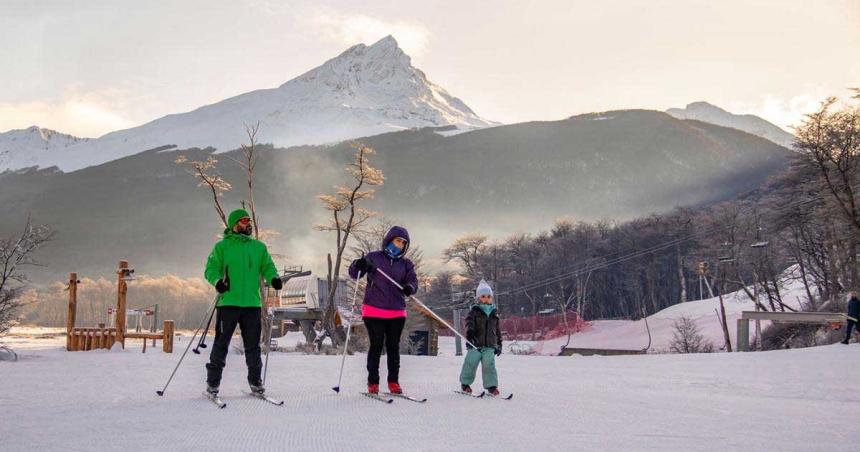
(807,216)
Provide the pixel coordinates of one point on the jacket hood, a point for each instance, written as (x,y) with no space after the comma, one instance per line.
(396,231)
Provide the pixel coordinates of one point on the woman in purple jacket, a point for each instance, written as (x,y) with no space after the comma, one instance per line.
(384,308)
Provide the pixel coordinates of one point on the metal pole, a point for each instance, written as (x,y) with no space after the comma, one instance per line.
(458,345)
(348,332)
(429,311)
(211,309)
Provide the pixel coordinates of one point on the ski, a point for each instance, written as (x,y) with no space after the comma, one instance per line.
(501,397)
(406,397)
(215,399)
(469,394)
(378,397)
(265,398)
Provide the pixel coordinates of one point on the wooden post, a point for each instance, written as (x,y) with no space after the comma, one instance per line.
(743,339)
(73,305)
(167,342)
(121,290)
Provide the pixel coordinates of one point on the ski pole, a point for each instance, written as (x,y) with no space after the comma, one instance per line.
(211,309)
(202,342)
(429,311)
(346,344)
(270,318)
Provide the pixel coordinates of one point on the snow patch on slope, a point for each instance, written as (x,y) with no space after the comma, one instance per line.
(705,112)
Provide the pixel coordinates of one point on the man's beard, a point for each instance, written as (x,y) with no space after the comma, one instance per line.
(247,230)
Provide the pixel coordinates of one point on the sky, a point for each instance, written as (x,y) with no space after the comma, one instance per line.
(91,67)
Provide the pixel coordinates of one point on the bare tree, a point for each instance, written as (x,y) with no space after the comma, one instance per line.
(16,253)
(465,250)
(687,339)
(209,176)
(248,163)
(347,217)
(830,141)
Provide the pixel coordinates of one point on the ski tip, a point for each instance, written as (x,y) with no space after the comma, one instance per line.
(389,401)
(160,393)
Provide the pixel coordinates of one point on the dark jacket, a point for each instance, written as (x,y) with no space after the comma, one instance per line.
(483,331)
(380,293)
(854,308)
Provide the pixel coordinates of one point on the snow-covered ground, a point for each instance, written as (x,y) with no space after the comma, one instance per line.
(633,335)
(790,400)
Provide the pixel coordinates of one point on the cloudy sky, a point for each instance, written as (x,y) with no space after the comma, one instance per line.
(90,67)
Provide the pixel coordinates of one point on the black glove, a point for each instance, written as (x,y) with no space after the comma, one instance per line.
(498,351)
(469,342)
(364,266)
(276,283)
(408,290)
(222,286)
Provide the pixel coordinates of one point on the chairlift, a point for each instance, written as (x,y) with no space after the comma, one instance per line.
(760,244)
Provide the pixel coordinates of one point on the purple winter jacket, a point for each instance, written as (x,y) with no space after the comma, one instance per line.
(380,292)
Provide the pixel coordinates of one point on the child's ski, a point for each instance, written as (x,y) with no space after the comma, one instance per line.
(378,397)
(214,399)
(406,397)
(265,398)
(477,396)
(501,397)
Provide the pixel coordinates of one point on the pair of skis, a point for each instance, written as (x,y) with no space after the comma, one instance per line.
(389,397)
(220,403)
(486,394)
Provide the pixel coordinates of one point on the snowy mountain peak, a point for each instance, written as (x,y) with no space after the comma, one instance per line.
(706,112)
(25,148)
(366,90)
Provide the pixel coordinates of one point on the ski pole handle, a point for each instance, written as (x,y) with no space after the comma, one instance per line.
(430,311)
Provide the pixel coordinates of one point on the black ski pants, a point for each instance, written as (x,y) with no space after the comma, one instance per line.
(848,327)
(250,324)
(384,332)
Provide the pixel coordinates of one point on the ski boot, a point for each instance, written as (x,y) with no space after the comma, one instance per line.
(257,388)
(394,388)
(466,388)
(373,388)
(493,391)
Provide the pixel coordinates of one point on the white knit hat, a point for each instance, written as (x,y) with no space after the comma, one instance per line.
(483,289)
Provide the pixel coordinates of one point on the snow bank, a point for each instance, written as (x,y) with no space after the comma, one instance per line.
(632,335)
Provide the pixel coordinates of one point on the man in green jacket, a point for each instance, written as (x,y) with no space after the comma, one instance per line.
(235,267)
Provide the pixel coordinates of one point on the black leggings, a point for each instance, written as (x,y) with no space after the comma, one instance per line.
(383,332)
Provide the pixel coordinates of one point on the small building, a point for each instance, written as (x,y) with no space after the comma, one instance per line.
(301,303)
(421,333)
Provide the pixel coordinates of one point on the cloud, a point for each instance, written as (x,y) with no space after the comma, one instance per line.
(784,111)
(350,29)
(77,112)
